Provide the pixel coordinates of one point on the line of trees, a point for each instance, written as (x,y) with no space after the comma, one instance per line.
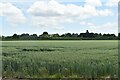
(66,36)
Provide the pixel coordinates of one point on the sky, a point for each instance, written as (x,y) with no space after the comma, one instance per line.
(58,16)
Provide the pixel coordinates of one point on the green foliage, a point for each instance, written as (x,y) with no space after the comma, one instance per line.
(66,36)
(58,59)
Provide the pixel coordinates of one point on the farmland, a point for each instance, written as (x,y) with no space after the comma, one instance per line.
(57,59)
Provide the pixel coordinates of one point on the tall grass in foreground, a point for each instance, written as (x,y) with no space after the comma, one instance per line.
(60,59)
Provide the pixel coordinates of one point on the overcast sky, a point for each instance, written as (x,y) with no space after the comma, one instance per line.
(58,16)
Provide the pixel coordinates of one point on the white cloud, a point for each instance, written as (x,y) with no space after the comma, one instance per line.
(93,2)
(83,23)
(105,12)
(12,13)
(0,31)
(42,8)
(46,22)
(17,0)
(112,3)
(109,27)
(53,8)
(53,13)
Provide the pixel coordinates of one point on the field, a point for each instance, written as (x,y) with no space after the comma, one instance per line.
(58,59)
